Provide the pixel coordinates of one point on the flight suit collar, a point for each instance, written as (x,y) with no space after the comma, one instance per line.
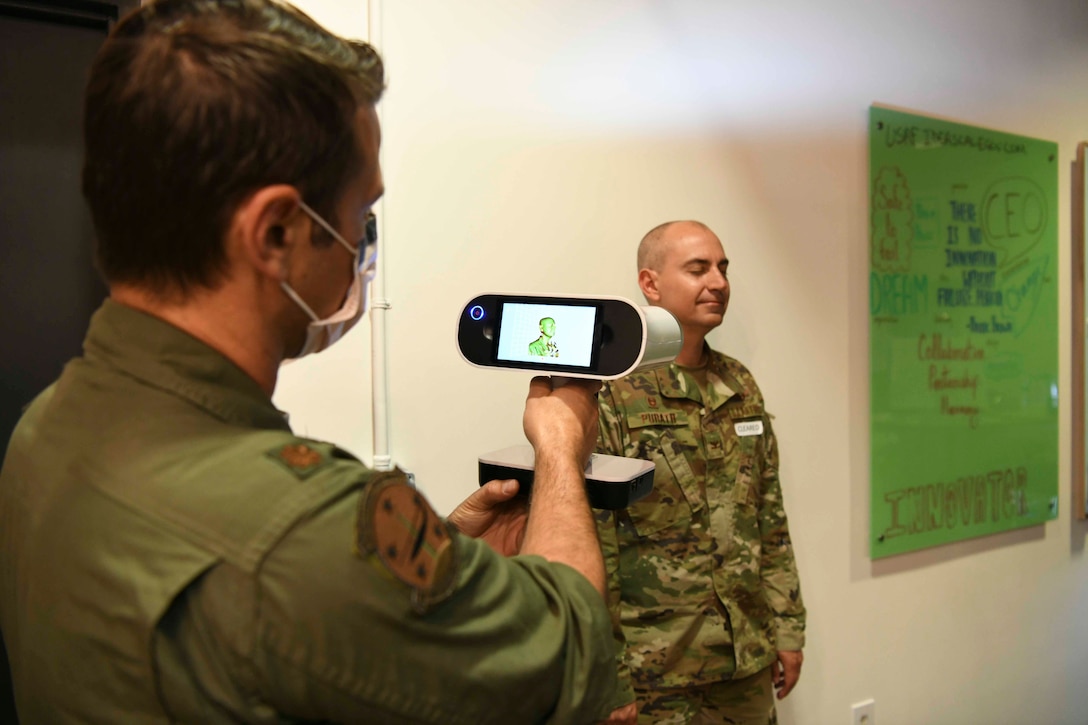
(163,356)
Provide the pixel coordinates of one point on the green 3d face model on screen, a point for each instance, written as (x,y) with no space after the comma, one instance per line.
(545,346)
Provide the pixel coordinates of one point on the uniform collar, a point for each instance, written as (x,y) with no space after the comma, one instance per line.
(155,352)
(674,382)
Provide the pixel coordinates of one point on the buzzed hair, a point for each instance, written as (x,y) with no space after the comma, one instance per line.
(651,250)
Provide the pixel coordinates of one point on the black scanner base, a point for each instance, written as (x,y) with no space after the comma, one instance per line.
(608,495)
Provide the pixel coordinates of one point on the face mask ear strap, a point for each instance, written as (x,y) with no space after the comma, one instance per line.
(298,301)
(326,226)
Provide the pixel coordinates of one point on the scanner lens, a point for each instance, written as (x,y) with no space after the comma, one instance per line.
(476,312)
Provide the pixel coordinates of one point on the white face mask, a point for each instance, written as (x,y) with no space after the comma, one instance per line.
(320,334)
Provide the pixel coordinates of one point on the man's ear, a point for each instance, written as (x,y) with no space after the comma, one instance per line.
(267,227)
(647,282)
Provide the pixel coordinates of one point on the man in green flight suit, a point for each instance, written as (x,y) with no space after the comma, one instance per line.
(701,572)
(171,551)
(544,346)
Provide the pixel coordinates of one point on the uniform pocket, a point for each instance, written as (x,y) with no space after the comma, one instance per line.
(649,520)
(745,490)
(668,505)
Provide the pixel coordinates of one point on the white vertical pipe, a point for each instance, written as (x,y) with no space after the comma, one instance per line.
(383,460)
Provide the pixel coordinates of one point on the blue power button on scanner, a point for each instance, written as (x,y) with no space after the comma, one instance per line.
(476,312)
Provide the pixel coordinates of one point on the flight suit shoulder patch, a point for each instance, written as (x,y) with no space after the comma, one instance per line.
(396,526)
(299,458)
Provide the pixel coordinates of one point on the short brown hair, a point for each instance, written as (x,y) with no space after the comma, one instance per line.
(192,106)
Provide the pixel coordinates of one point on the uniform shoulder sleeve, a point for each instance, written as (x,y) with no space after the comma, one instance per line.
(343,633)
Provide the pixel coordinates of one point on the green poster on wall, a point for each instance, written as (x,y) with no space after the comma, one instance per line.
(963,331)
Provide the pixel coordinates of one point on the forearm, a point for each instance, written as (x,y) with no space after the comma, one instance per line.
(781,583)
(561,526)
(782,591)
(778,567)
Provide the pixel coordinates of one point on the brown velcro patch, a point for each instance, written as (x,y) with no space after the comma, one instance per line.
(397,525)
(299,458)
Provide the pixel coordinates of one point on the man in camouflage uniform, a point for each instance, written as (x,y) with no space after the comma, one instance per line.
(702,578)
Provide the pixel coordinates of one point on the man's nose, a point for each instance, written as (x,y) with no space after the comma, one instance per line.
(716,280)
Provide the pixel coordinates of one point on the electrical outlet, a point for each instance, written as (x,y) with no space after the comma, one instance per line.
(864,712)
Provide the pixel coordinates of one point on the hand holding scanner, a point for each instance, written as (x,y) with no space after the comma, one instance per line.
(569,337)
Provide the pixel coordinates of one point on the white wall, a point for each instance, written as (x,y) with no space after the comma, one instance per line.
(528,146)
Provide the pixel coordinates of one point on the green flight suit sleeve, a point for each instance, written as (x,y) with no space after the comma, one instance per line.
(610,442)
(335,637)
(778,567)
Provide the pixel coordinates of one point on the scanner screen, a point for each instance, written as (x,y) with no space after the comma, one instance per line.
(546,334)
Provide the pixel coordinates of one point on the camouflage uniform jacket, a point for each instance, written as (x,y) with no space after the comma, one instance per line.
(702,577)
